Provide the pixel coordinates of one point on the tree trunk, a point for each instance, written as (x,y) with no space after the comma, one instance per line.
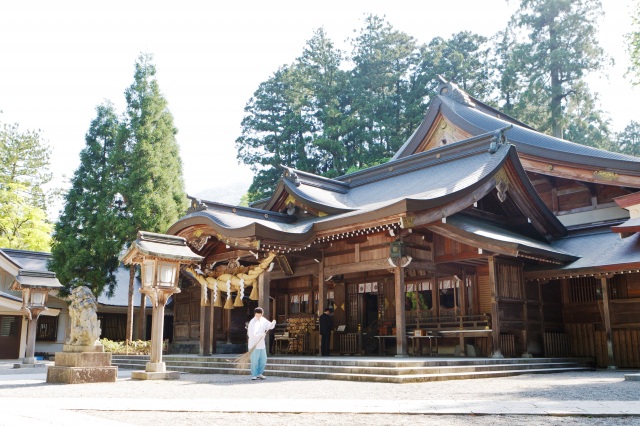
(129,333)
(557,91)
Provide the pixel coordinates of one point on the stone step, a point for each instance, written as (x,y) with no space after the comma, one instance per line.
(361,361)
(388,370)
(369,377)
(360,370)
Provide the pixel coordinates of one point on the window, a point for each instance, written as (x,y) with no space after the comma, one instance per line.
(8,326)
(299,303)
(448,295)
(294,306)
(330,301)
(419,296)
(47,328)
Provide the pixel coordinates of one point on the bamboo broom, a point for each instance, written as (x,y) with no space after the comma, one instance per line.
(244,360)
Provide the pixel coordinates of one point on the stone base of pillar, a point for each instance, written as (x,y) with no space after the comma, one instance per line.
(155,367)
(155,375)
(497,354)
(612,367)
(527,355)
(29,364)
(82,367)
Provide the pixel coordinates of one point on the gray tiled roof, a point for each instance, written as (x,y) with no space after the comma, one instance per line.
(31,260)
(10,297)
(121,292)
(37,279)
(601,249)
(477,118)
(535,143)
(484,229)
(428,180)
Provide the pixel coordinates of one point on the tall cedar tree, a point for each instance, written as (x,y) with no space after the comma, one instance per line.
(24,171)
(276,130)
(561,48)
(325,85)
(93,228)
(154,187)
(383,60)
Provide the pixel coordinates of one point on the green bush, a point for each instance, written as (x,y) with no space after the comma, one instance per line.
(137,347)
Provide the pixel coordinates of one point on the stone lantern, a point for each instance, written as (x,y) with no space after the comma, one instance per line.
(159,257)
(35,287)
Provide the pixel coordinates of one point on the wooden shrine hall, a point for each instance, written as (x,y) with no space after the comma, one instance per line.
(480,237)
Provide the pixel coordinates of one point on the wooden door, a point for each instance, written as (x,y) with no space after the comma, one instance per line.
(10,328)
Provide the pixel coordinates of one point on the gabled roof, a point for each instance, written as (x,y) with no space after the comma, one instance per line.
(36,279)
(474,117)
(447,179)
(600,253)
(496,238)
(26,259)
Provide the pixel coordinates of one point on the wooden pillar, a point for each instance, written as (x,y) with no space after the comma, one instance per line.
(604,282)
(264,293)
(401,322)
(142,322)
(212,326)
(459,287)
(322,296)
(205,331)
(525,315)
(495,320)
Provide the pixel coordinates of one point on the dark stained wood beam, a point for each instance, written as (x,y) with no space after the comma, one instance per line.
(226,256)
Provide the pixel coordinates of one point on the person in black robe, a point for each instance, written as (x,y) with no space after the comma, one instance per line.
(326,325)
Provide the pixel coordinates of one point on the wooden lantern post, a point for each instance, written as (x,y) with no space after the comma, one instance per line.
(159,257)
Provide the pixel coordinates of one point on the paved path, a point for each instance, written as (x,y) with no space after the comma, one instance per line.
(26,398)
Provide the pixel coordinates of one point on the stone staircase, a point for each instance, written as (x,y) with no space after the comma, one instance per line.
(366,369)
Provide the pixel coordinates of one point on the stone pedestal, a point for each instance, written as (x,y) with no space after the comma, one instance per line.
(155,371)
(75,366)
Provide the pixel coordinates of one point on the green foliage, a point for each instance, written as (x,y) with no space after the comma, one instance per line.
(93,229)
(316,116)
(560,48)
(135,347)
(154,187)
(129,179)
(276,130)
(587,124)
(633,47)
(629,139)
(332,112)
(24,171)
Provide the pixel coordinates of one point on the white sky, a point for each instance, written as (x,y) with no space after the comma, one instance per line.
(61,59)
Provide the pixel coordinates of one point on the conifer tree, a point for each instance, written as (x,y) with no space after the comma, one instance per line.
(153,187)
(93,227)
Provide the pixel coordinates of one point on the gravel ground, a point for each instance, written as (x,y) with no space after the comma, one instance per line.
(598,386)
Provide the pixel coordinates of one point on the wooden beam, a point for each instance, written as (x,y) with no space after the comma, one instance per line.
(571,171)
(364,266)
(224,257)
(448,258)
(604,282)
(474,240)
(299,271)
